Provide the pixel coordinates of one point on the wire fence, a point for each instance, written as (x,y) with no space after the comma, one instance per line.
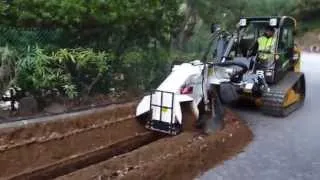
(53,38)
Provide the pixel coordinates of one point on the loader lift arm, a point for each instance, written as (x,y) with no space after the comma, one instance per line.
(212,117)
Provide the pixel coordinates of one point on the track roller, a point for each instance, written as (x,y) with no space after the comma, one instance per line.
(282,102)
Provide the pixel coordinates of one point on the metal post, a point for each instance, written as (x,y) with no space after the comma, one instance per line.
(161,105)
(172,105)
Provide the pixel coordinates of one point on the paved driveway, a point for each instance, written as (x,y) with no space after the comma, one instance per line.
(283,149)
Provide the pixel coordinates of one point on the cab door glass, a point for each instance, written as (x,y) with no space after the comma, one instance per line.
(286,42)
(283,40)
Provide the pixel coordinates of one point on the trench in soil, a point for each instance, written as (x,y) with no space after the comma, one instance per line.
(80,161)
(19,133)
(110,137)
(180,157)
(102,133)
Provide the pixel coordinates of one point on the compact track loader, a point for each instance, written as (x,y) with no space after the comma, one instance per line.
(235,71)
(276,85)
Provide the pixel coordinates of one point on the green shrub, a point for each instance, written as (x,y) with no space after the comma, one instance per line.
(144,69)
(71,71)
(37,70)
(8,59)
(86,68)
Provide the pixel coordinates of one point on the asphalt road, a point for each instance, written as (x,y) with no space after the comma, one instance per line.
(282,149)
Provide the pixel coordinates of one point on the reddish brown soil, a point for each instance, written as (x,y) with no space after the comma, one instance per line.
(62,124)
(78,161)
(60,138)
(35,145)
(181,157)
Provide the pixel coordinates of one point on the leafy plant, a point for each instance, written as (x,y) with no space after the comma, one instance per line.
(37,70)
(72,71)
(86,67)
(83,43)
(144,69)
(70,90)
(8,60)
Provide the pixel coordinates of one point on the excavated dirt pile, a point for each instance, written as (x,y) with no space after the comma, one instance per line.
(181,157)
(109,143)
(29,146)
(61,124)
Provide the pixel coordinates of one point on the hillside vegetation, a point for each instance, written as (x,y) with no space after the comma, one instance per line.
(80,47)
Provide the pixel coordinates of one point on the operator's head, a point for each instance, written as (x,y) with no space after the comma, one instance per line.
(269,31)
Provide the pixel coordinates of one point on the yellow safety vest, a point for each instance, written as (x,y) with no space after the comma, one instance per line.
(266,45)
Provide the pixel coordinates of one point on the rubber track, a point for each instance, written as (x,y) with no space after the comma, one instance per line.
(74,163)
(273,104)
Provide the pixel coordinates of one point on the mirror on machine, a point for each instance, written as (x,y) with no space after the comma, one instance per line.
(215,27)
(295,32)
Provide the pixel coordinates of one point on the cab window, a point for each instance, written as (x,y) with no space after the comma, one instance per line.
(286,39)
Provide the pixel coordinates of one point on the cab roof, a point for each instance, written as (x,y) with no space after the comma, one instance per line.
(282,21)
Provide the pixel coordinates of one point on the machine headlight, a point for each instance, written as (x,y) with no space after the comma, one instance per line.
(243,22)
(223,72)
(273,22)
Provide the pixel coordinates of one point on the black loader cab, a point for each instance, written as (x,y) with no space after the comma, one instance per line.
(281,58)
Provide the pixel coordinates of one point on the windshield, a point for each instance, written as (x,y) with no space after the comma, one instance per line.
(247,45)
(253,30)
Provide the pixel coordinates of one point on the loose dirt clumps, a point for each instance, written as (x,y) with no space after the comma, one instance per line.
(47,127)
(109,143)
(181,157)
(34,145)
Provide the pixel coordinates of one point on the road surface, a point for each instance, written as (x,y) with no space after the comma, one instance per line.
(282,149)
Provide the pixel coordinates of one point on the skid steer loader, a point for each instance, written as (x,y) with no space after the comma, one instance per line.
(276,85)
(235,72)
